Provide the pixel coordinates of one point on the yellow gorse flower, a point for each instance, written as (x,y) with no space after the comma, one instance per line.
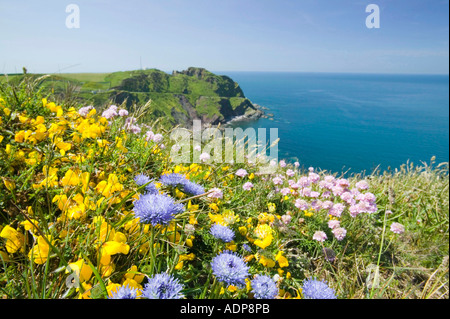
(109,187)
(82,269)
(9,184)
(50,180)
(40,251)
(111,248)
(30,225)
(264,234)
(266,262)
(282,261)
(14,239)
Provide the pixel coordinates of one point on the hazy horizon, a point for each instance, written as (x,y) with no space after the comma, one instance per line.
(219,72)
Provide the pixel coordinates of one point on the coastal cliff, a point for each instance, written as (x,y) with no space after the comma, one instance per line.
(188,95)
(177,98)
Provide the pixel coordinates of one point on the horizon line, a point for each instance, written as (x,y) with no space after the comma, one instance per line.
(243,71)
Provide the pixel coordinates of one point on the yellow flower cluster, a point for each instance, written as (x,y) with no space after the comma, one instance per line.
(70,179)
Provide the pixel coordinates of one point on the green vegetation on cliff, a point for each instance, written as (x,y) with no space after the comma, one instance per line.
(179,97)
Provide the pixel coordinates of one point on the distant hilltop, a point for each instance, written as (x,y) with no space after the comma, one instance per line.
(177,98)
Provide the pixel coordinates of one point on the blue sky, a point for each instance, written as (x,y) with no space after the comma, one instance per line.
(227,35)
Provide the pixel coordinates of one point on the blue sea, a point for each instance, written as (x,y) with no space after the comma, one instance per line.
(352,122)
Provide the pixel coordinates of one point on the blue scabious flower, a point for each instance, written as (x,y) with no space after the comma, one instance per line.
(316,289)
(156,209)
(230,268)
(178,180)
(124,292)
(173,179)
(247,248)
(222,232)
(142,179)
(151,189)
(162,286)
(193,188)
(263,287)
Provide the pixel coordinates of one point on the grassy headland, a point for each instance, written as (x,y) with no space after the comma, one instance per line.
(176,98)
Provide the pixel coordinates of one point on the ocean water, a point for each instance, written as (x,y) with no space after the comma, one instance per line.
(352,122)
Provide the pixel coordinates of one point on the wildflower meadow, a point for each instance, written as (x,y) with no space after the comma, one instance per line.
(92,206)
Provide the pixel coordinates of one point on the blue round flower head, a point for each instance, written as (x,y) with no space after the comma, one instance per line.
(151,189)
(141,179)
(263,287)
(193,188)
(156,209)
(163,286)
(222,232)
(315,289)
(124,292)
(247,248)
(230,268)
(173,179)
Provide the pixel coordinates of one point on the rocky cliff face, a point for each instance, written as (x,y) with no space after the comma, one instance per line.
(186,95)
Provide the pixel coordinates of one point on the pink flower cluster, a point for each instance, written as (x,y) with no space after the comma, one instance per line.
(334,196)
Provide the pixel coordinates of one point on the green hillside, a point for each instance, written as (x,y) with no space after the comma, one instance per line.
(179,97)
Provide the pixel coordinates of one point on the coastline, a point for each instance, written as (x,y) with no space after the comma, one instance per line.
(259,112)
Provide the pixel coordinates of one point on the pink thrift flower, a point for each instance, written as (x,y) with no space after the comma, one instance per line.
(354,210)
(204,157)
(304,181)
(241,172)
(369,197)
(316,205)
(247,186)
(314,194)
(397,228)
(286,219)
(109,114)
(135,129)
(290,173)
(337,191)
(277,180)
(337,210)
(343,182)
(334,223)
(339,233)
(326,194)
(123,112)
(282,163)
(84,111)
(313,177)
(157,138)
(327,204)
(320,236)
(329,178)
(149,136)
(362,185)
(306,192)
(301,204)
(294,186)
(215,193)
